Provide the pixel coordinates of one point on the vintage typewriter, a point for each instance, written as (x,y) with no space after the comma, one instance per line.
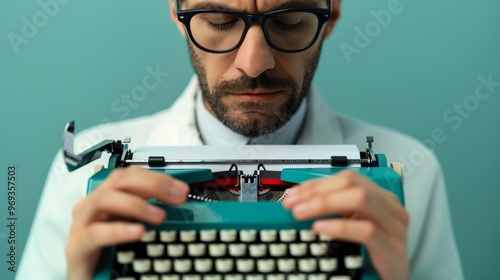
(233,226)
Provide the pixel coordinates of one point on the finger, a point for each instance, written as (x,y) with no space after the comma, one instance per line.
(103,204)
(103,234)
(346,202)
(384,251)
(78,207)
(357,231)
(382,199)
(353,201)
(312,188)
(148,184)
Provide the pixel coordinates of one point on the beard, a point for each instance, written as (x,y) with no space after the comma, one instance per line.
(257,118)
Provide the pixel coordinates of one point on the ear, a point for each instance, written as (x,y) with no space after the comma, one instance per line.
(173,16)
(333,20)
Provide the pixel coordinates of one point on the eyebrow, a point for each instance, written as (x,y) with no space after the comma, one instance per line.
(302,4)
(289,4)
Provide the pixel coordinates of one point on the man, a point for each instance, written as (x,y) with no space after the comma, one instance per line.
(254,62)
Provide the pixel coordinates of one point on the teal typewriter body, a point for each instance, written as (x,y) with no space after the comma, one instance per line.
(259,226)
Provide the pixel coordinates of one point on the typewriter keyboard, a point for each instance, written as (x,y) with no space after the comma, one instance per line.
(229,254)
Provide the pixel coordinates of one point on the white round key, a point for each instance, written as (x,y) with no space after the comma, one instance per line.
(277,250)
(170,277)
(196,249)
(299,276)
(254,277)
(125,257)
(275,276)
(155,250)
(217,250)
(298,249)
(328,264)
(316,276)
(286,265)
(228,235)
(148,236)
(265,265)
(268,235)
(150,277)
(212,277)
(288,235)
(162,265)
(353,262)
(248,235)
(141,265)
(257,250)
(308,265)
(323,237)
(191,277)
(187,236)
(233,277)
(340,277)
(208,235)
(237,249)
(318,249)
(168,236)
(223,265)
(175,250)
(182,265)
(307,235)
(203,265)
(245,265)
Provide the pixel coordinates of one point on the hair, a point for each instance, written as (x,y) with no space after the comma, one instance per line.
(180,3)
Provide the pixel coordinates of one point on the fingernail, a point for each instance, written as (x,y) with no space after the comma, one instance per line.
(179,189)
(319,226)
(301,209)
(133,229)
(291,196)
(154,211)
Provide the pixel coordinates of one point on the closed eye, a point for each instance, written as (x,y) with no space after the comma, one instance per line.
(222,26)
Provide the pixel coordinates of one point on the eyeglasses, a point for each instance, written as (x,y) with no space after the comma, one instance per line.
(289,30)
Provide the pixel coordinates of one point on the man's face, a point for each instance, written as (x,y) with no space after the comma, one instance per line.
(254,90)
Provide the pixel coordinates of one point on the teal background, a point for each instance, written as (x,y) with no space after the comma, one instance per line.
(417,67)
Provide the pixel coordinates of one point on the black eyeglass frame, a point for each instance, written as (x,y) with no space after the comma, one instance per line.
(323,15)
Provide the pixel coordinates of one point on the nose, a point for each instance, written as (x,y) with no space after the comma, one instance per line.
(254,56)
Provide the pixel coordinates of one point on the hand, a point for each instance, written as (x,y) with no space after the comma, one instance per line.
(371,216)
(122,195)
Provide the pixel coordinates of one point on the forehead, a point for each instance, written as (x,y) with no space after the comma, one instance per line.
(252,6)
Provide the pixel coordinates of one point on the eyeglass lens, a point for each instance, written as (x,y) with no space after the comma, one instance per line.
(223,31)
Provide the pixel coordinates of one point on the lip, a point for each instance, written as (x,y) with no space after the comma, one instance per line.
(256,95)
(257,91)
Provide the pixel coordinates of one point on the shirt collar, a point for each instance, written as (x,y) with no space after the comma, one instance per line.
(214,132)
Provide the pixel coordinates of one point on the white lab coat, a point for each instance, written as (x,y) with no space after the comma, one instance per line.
(432,251)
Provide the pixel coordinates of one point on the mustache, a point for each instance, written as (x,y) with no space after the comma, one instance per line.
(261,82)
